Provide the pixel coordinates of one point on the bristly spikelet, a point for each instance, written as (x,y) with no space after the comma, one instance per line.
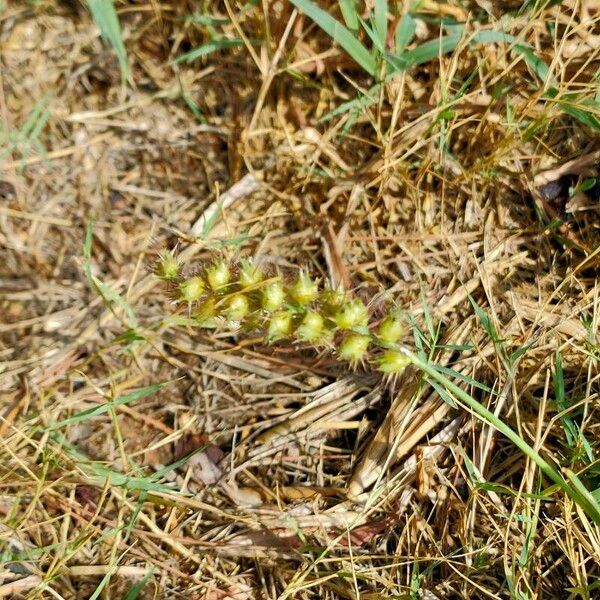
(218,275)
(392,362)
(207,310)
(237,307)
(354,348)
(250,274)
(281,325)
(273,296)
(332,299)
(312,328)
(304,290)
(390,330)
(191,289)
(168,266)
(352,313)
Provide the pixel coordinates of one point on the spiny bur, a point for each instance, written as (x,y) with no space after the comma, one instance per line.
(237,307)
(280,325)
(312,328)
(392,362)
(218,275)
(167,267)
(354,348)
(304,290)
(191,289)
(273,296)
(250,274)
(352,313)
(390,330)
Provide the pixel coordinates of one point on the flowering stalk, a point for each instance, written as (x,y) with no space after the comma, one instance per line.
(243,297)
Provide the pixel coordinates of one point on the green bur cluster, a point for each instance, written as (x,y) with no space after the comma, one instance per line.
(244,297)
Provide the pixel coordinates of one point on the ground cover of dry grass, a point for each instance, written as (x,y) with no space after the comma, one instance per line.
(141,458)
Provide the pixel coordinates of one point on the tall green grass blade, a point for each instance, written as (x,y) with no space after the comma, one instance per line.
(377,43)
(208,48)
(380,22)
(103,408)
(569,426)
(577,492)
(110,296)
(405,31)
(136,589)
(349,14)
(105,16)
(341,34)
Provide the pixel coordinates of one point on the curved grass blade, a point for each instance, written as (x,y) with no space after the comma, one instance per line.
(341,34)
(105,16)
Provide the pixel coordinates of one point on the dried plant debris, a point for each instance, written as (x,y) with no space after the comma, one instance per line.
(216,221)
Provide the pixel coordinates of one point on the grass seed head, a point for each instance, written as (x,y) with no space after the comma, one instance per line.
(392,362)
(168,266)
(312,328)
(218,275)
(273,296)
(352,313)
(281,325)
(237,307)
(191,289)
(390,330)
(250,274)
(304,290)
(354,348)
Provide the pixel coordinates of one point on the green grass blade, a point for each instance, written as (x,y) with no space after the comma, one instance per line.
(105,16)
(102,408)
(110,296)
(350,14)
(341,34)
(380,21)
(208,48)
(405,33)
(136,589)
(577,492)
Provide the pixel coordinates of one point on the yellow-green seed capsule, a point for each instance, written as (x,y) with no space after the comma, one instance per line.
(237,307)
(250,274)
(312,327)
(304,290)
(392,362)
(390,330)
(281,325)
(273,296)
(354,347)
(168,267)
(352,313)
(218,275)
(333,299)
(207,310)
(191,289)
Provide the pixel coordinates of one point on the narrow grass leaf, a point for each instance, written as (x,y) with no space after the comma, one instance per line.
(105,16)
(110,296)
(137,588)
(444,395)
(468,380)
(405,31)
(576,492)
(349,14)
(569,426)
(380,22)
(341,34)
(209,48)
(102,408)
